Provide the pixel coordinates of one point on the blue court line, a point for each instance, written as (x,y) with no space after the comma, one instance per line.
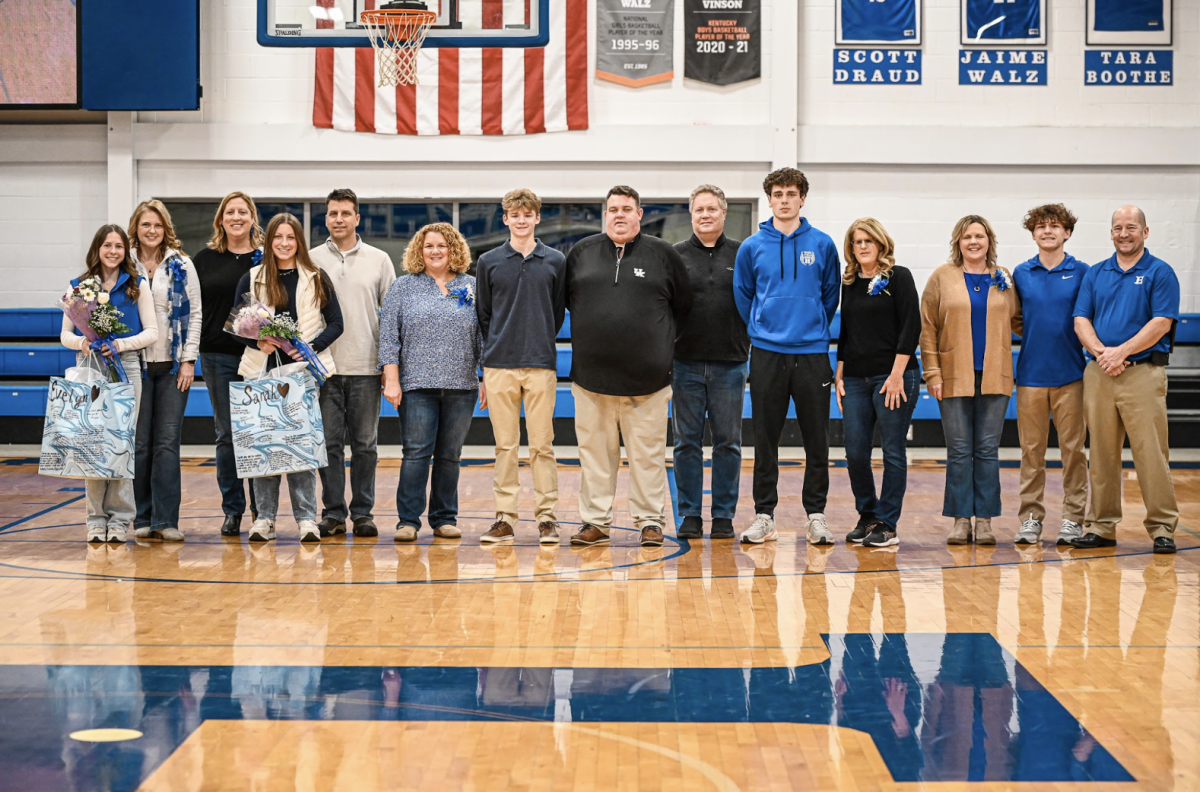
(327,647)
(15,523)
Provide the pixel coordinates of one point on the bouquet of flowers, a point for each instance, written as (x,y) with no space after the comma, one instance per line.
(252,319)
(87,306)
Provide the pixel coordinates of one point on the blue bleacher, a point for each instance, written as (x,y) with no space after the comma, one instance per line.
(38,356)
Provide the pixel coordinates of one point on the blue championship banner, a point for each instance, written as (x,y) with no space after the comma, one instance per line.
(1001,67)
(89,430)
(1128,67)
(277,426)
(877,67)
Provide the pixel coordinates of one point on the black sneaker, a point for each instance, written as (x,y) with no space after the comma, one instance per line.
(365,526)
(692,528)
(1164,545)
(331,526)
(862,530)
(880,536)
(722,528)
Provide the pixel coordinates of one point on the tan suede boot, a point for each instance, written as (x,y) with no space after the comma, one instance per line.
(961,533)
(983,531)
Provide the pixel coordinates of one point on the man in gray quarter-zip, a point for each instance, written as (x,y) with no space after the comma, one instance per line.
(350,399)
(628,294)
(712,357)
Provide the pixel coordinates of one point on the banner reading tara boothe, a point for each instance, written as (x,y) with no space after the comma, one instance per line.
(722,41)
(635,41)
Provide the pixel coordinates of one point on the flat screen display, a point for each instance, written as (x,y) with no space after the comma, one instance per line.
(39,53)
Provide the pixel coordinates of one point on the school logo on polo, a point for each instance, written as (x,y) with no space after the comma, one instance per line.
(1138,280)
(639,273)
(808,258)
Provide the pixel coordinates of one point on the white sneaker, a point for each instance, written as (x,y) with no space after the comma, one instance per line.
(116,534)
(818,530)
(1030,532)
(97,533)
(1070,530)
(262,531)
(309,532)
(761,530)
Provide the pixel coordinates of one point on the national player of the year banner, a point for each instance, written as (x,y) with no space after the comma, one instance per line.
(634,41)
(722,40)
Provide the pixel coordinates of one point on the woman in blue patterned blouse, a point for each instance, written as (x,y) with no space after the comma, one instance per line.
(429,350)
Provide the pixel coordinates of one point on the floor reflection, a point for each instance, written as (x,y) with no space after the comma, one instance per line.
(939,707)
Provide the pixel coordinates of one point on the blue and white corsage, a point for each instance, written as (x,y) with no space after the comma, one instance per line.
(465,295)
(256,257)
(878,286)
(1001,280)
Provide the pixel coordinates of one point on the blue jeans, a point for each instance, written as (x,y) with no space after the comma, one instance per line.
(718,390)
(863,409)
(219,370)
(156,486)
(433,427)
(302,488)
(350,411)
(972,425)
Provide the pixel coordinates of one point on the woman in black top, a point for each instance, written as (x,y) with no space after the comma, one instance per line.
(232,251)
(877,375)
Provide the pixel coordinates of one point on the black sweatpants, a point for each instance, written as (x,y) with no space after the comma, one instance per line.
(805,380)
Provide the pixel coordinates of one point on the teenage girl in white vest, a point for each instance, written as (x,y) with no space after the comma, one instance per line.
(289,283)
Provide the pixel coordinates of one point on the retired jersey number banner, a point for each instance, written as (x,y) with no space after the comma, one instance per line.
(634,41)
(722,41)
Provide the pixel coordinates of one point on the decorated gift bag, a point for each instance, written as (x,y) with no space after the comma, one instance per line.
(277,426)
(89,426)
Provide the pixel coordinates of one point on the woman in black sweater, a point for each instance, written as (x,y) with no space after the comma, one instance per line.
(877,375)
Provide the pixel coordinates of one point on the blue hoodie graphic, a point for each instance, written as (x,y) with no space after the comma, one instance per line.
(787,288)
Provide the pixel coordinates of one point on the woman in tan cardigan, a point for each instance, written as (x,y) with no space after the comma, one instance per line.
(969,311)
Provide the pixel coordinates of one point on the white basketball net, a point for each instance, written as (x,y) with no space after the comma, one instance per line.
(396,38)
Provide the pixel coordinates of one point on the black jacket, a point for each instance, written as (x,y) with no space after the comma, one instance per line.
(714,330)
(625,314)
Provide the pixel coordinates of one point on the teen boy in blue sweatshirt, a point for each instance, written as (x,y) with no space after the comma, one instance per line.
(786,283)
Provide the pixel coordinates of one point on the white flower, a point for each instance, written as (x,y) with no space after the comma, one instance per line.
(102,298)
(264,313)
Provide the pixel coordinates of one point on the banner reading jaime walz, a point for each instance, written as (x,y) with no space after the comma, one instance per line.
(634,44)
(722,41)
(89,430)
(277,426)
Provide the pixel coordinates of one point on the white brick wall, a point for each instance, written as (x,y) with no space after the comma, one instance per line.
(916,157)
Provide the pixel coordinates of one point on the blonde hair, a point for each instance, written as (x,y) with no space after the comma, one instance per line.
(521,199)
(220,241)
(887,248)
(156,206)
(460,252)
(276,294)
(960,228)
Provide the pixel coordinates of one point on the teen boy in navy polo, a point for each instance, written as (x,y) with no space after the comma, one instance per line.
(1050,374)
(786,283)
(1126,309)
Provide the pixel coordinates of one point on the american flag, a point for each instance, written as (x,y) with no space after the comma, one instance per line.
(491,91)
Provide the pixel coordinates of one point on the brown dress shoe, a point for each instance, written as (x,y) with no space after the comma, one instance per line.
(548,532)
(652,536)
(499,532)
(590,535)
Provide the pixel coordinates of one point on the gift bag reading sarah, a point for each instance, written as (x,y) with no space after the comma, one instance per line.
(277,426)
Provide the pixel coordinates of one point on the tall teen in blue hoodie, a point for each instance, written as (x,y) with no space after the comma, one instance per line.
(786,284)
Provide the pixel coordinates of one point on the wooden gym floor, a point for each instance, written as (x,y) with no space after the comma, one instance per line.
(363,665)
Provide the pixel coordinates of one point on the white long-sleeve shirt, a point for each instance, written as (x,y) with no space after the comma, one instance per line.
(160,288)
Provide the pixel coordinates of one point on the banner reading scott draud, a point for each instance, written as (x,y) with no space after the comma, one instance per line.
(634,41)
(722,41)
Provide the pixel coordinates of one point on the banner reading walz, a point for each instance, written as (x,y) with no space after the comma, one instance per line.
(635,41)
(722,41)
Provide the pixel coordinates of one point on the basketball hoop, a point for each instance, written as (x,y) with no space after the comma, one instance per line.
(397,31)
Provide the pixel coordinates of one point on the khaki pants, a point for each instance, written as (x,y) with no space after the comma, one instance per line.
(506,389)
(1135,402)
(1034,408)
(601,423)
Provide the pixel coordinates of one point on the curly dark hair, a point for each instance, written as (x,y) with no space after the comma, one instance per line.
(1050,213)
(786,177)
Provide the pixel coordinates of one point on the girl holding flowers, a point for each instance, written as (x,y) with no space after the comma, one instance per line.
(170,368)
(113,276)
(969,312)
(291,287)
(877,377)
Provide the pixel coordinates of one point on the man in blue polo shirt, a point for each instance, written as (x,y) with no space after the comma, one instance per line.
(1050,374)
(1126,309)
